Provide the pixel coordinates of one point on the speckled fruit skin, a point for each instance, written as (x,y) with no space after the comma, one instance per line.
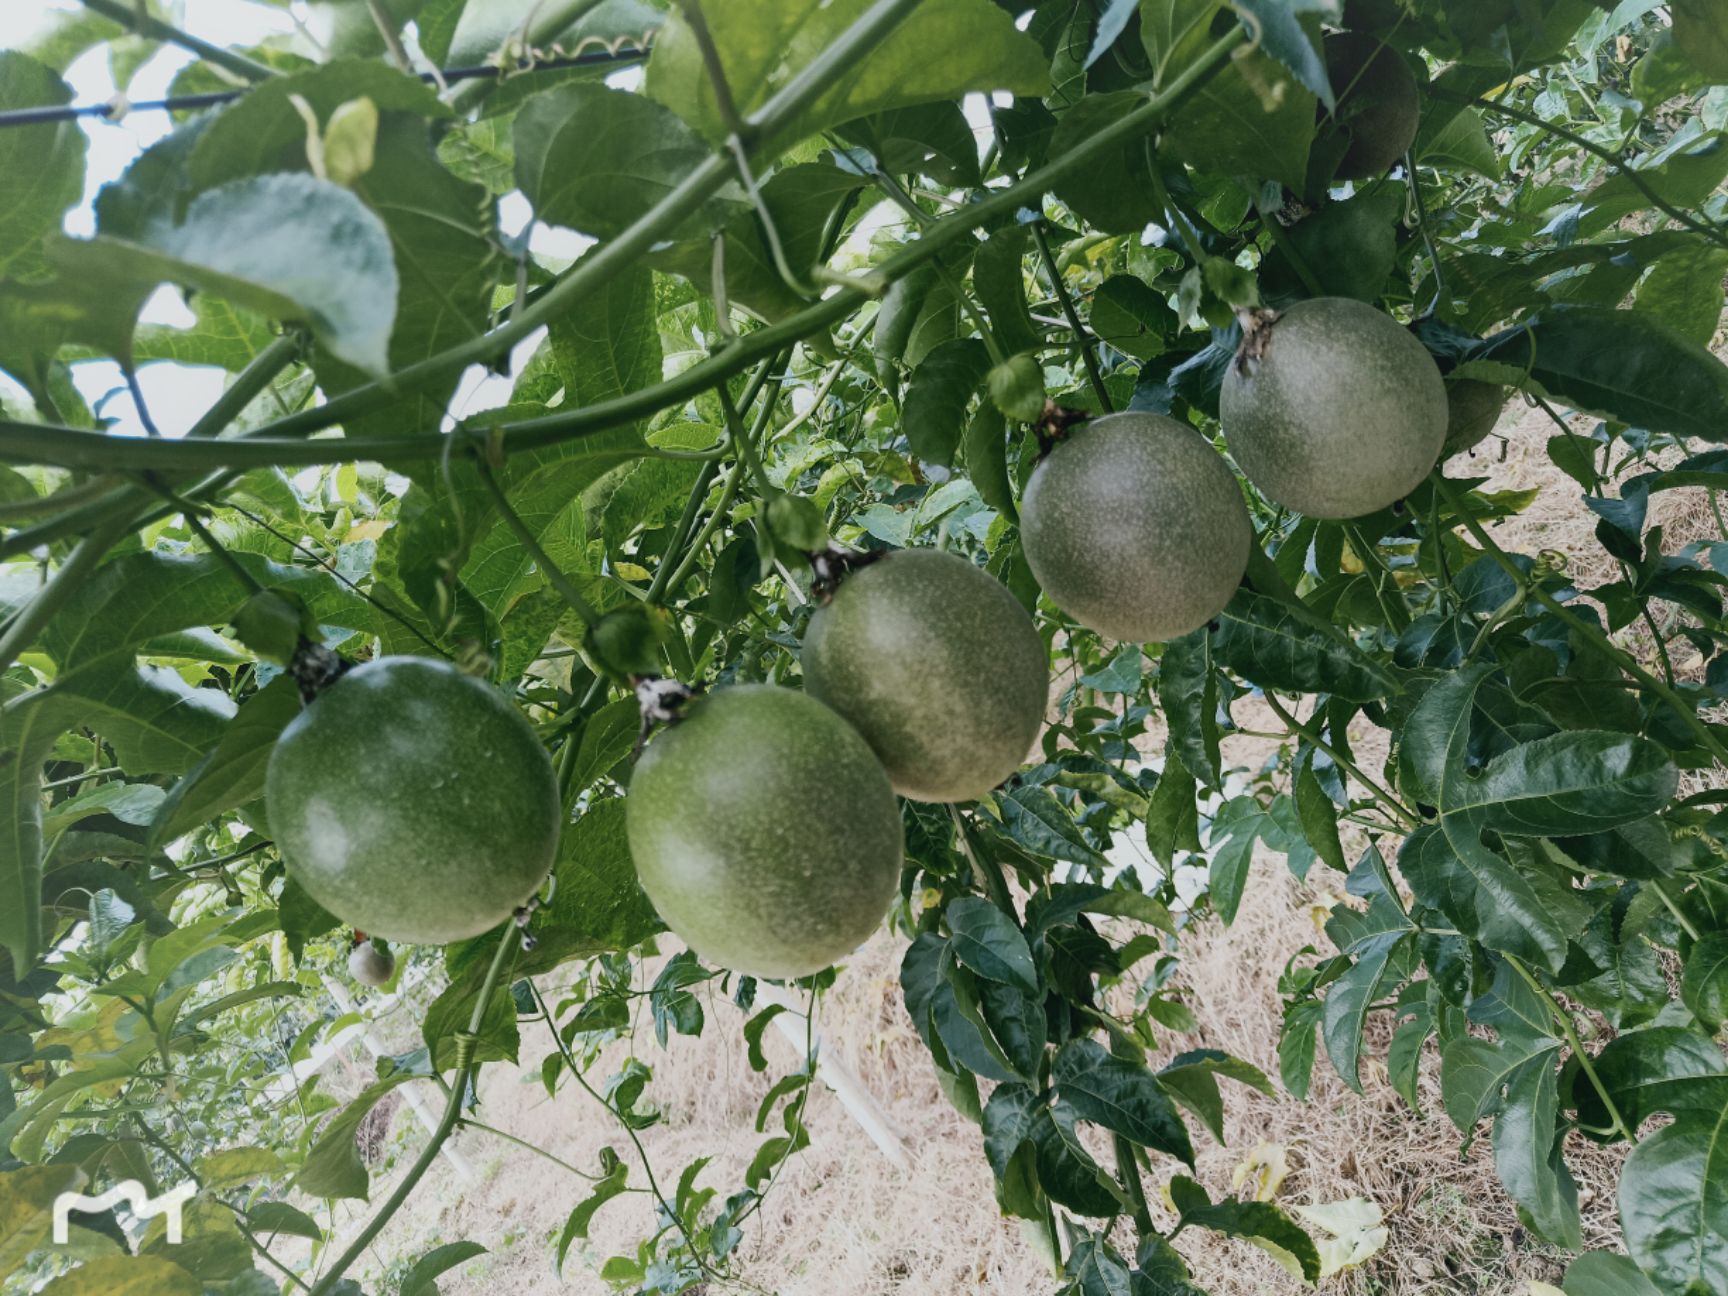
(414,802)
(765,832)
(937,665)
(1343,414)
(1473,408)
(369,965)
(1135,526)
(1379,105)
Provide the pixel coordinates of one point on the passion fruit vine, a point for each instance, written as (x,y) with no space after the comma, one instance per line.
(1333,410)
(937,666)
(414,802)
(1136,528)
(764,831)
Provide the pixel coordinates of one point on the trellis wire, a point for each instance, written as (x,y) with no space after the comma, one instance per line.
(119,107)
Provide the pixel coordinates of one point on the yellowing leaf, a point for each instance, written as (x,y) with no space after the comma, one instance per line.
(1263,1170)
(1541,1288)
(366,530)
(1356,1229)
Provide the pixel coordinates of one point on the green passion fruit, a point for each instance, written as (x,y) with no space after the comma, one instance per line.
(1135,527)
(765,832)
(1379,106)
(937,666)
(414,802)
(1332,409)
(370,965)
(1472,410)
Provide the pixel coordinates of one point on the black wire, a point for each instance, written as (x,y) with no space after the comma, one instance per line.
(177,103)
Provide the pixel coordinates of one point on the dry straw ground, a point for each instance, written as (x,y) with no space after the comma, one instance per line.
(842,1221)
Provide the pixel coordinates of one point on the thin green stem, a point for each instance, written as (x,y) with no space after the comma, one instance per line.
(276,443)
(134,18)
(59,501)
(553,573)
(469,1122)
(246,579)
(629,1130)
(1632,176)
(446,1124)
(1587,630)
(1082,336)
(1686,924)
(1313,738)
(1427,235)
(723,101)
(988,870)
(1563,1019)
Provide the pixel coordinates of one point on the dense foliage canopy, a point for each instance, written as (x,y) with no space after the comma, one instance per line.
(851,270)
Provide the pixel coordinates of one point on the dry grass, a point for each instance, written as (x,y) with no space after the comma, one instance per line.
(842,1221)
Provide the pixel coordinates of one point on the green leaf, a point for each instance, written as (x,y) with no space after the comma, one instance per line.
(333,1167)
(1259,1222)
(1173,820)
(1674,1205)
(1474,1072)
(595,159)
(1254,119)
(1625,365)
(932,139)
(1704,986)
(1600,1273)
(1684,288)
(1192,1079)
(1527,1154)
(263,132)
(1121,1096)
(1132,317)
(27,1208)
(597,905)
(986,940)
(1484,894)
(1568,783)
(276,1218)
(421,1279)
(985,450)
(233,774)
(238,1165)
(1659,1069)
(610,1186)
(1000,282)
(941,388)
(45,163)
(1037,820)
(981,50)
(139,1275)
(1297,1040)
(1188,695)
(1117,193)
(960,1024)
(443,246)
(286,246)
(607,738)
(1008,1121)
(803,201)
(1351,996)
(1319,816)
(1275,645)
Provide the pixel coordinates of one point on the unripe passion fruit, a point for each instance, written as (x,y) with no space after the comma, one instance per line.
(1472,410)
(370,965)
(1334,410)
(764,831)
(937,666)
(1379,105)
(414,802)
(1135,527)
